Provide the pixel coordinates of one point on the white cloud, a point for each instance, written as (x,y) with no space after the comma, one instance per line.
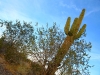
(13,15)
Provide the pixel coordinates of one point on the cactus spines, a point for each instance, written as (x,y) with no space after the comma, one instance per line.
(67,26)
(78,35)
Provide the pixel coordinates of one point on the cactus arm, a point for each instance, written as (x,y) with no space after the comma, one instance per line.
(78,35)
(81,16)
(72,30)
(80,20)
(67,26)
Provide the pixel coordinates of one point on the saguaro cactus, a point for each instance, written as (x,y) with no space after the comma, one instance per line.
(74,29)
(74,32)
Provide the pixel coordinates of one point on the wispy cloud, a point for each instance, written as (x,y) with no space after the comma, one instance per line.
(13,15)
(71,5)
(0,2)
(37,4)
(92,11)
(12,12)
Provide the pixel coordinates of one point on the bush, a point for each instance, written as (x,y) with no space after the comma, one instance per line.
(2,48)
(10,51)
(12,55)
(36,69)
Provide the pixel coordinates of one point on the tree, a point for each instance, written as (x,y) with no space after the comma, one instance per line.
(77,59)
(20,35)
(50,48)
(16,40)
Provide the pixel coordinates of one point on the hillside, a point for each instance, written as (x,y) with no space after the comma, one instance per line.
(3,67)
(12,69)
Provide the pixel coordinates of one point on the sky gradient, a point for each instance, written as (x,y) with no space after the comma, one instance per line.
(49,11)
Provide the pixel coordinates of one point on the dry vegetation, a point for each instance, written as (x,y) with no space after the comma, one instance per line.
(23,68)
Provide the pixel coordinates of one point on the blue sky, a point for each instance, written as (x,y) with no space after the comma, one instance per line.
(49,11)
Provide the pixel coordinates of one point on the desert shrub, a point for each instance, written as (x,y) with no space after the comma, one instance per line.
(36,69)
(23,68)
(12,55)
(2,43)
(10,51)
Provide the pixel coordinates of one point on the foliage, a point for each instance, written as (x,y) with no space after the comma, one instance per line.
(76,62)
(15,42)
(36,69)
(2,49)
(9,50)
(49,47)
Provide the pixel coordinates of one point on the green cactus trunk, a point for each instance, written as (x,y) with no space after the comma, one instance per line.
(67,26)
